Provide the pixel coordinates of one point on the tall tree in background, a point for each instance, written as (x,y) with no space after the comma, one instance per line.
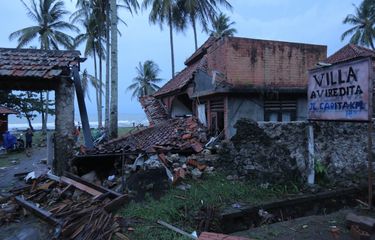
(169,12)
(203,11)
(92,18)
(130,6)
(363,22)
(144,83)
(222,26)
(49,31)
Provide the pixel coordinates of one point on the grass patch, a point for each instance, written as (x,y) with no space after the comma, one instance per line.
(179,207)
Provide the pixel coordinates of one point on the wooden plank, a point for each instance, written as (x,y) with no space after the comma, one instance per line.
(80,186)
(39,212)
(116,203)
(113,194)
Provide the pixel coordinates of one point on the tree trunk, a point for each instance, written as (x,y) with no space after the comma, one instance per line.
(98,105)
(107,66)
(171,39)
(41,98)
(195,33)
(29,122)
(114,72)
(47,109)
(100,119)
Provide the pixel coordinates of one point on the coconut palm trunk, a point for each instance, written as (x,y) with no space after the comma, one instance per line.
(107,69)
(195,33)
(100,110)
(97,89)
(114,73)
(171,39)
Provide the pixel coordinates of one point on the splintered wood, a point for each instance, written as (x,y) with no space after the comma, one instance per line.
(77,210)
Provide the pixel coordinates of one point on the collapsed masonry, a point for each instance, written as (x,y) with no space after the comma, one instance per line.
(148,158)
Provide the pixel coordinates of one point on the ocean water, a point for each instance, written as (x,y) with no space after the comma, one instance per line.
(125,120)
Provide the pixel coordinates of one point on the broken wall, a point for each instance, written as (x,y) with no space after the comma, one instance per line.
(253,108)
(267,149)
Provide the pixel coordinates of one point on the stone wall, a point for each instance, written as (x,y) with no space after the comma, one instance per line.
(275,152)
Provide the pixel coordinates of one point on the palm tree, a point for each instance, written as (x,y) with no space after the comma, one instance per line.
(49,31)
(170,12)
(92,18)
(363,21)
(204,11)
(221,26)
(144,83)
(130,6)
(48,16)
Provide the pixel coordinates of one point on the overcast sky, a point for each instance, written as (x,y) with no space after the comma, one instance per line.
(305,21)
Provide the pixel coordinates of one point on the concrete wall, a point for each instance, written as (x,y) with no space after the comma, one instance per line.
(301,109)
(242,107)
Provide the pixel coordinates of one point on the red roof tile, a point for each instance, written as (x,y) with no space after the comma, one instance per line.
(35,63)
(181,79)
(165,136)
(4,110)
(154,109)
(350,52)
(200,51)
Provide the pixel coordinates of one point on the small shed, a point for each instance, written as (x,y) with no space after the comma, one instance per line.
(4,112)
(36,70)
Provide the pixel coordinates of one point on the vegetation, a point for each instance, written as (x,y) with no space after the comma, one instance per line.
(180,208)
(362,31)
(222,26)
(203,11)
(49,30)
(144,83)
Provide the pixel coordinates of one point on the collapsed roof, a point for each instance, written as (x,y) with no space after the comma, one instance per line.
(180,135)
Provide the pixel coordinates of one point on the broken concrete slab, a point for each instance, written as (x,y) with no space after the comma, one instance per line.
(364,223)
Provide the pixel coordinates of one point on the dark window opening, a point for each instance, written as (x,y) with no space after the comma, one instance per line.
(280,111)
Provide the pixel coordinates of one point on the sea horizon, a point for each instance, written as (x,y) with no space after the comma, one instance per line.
(125,120)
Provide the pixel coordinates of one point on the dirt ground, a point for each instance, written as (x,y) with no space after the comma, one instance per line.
(25,164)
(311,227)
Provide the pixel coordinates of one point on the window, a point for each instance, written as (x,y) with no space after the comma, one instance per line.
(280,110)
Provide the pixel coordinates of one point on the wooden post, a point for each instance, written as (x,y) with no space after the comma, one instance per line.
(311,168)
(82,109)
(369,158)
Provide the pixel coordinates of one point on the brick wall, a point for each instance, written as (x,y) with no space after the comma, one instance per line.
(261,62)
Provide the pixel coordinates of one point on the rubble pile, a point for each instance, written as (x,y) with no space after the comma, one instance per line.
(178,135)
(76,210)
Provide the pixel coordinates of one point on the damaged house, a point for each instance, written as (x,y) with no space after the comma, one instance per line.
(231,78)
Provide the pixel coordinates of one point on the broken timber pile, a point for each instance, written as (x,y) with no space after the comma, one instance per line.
(77,210)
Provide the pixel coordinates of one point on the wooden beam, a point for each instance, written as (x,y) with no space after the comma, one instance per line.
(39,212)
(80,186)
(101,189)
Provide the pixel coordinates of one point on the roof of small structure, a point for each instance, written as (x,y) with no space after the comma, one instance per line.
(350,52)
(34,69)
(5,110)
(154,109)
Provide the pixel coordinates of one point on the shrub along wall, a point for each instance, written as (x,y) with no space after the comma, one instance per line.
(277,152)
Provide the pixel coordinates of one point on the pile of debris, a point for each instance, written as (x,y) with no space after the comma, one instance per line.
(176,135)
(77,209)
